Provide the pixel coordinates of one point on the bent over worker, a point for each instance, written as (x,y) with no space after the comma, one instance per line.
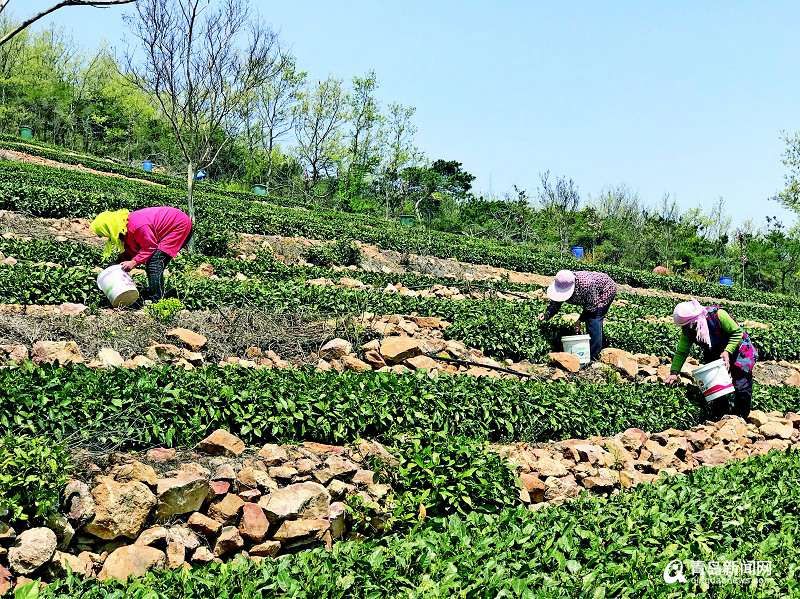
(719,337)
(592,291)
(150,237)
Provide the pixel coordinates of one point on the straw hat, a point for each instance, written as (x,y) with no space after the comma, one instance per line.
(562,288)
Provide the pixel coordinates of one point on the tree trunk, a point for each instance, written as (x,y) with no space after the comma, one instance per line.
(190,175)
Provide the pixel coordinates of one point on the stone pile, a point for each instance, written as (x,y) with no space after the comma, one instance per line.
(163,509)
(559,471)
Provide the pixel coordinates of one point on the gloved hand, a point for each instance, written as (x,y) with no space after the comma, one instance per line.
(672,379)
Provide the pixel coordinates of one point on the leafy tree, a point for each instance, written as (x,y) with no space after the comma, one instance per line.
(200,62)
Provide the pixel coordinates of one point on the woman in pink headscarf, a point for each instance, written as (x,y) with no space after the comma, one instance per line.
(719,337)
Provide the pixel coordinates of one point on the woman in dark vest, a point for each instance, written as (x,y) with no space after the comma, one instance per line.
(720,337)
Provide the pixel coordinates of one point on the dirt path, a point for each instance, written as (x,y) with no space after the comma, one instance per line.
(17,156)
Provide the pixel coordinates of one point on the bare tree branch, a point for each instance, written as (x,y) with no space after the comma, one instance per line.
(64,3)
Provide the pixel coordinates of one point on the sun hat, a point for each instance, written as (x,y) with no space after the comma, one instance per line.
(562,287)
(693,313)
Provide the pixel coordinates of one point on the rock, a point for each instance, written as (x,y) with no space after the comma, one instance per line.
(202,555)
(355,364)
(429,322)
(255,478)
(62,563)
(78,502)
(228,542)
(265,549)
(793,380)
(297,532)
(254,524)
(731,430)
(161,455)
(631,478)
(132,560)
(33,549)
(778,430)
(182,494)
(5,580)
(183,535)
(621,360)
(633,439)
(282,472)
(110,358)
(335,348)
(373,358)
(13,353)
(548,467)
(56,352)
(758,418)
(363,477)
(206,526)
(121,509)
(341,467)
(306,500)
(163,352)
(397,349)
(152,536)
(273,455)
(558,489)
(219,488)
(534,486)
(176,555)
(565,361)
(604,482)
(192,340)
(713,457)
(227,509)
(134,471)
(422,363)
(221,442)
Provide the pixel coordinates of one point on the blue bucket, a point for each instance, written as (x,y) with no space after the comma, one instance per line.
(259,189)
(726,281)
(147,166)
(577,251)
(201,175)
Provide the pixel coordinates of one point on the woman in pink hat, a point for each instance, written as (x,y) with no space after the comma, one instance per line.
(592,291)
(720,337)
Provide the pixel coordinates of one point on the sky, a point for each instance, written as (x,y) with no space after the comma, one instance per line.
(682,97)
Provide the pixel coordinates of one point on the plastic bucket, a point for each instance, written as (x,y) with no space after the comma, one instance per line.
(577,251)
(407,220)
(26,133)
(727,281)
(147,166)
(715,379)
(118,286)
(578,345)
(260,190)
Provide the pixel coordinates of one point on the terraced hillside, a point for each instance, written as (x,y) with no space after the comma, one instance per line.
(332,405)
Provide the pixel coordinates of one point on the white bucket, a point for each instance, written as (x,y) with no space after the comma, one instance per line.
(118,286)
(715,379)
(578,345)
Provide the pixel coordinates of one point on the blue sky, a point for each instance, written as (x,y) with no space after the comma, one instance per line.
(680,97)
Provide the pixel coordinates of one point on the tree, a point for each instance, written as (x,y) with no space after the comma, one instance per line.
(276,108)
(320,115)
(364,116)
(201,61)
(397,140)
(790,196)
(429,186)
(15,30)
(560,199)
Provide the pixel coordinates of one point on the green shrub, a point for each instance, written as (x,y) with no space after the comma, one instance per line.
(449,474)
(344,252)
(33,470)
(178,408)
(165,310)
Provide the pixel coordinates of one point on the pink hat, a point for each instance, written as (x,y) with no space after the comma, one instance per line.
(562,288)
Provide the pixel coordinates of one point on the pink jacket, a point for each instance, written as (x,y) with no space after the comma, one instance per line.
(162,228)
